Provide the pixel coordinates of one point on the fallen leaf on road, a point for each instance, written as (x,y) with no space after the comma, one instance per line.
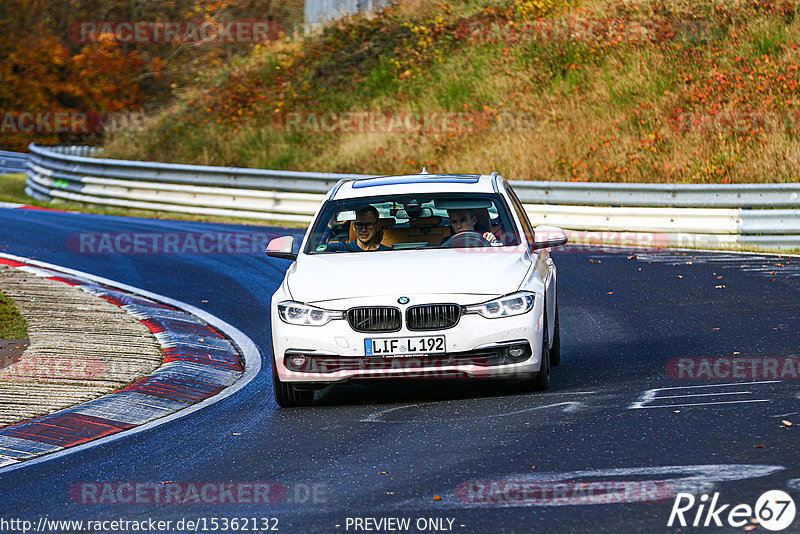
(760,447)
(719,287)
(610,293)
(736,352)
(717,328)
(787,423)
(236,433)
(383,472)
(678,276)
(437,498)
(676,411)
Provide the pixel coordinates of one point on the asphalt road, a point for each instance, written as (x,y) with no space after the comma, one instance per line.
(430,451)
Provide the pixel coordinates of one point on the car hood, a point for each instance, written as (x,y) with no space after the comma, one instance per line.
(327,277)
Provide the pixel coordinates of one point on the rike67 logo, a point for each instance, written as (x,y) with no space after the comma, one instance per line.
(774,510)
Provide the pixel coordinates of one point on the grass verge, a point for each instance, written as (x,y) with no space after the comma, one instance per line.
(568,90)
(12,324)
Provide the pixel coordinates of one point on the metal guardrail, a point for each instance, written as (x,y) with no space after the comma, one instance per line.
(681,215)
(12,162)
(662,195)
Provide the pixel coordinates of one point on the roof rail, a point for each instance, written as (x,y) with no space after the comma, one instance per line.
(495,175)
(338,185)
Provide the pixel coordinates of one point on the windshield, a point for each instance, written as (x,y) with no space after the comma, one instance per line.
(404,222)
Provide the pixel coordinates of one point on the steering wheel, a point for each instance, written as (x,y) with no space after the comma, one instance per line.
(466,240)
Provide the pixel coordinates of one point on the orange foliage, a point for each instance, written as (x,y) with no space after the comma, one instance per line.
(45,68)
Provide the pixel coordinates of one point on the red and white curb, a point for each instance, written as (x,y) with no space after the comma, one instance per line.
(205,361)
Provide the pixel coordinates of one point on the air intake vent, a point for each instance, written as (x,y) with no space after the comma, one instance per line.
(374,319)
(432,316)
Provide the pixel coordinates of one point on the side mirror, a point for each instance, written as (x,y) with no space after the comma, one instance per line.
(281,247)
(548,236)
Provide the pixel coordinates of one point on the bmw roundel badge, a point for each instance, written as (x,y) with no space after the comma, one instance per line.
(403,300)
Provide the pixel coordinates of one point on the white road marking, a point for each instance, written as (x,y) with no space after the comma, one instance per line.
(720,385)
(377,416)
(705,395)
(651,395)
(704,403)
(695,479)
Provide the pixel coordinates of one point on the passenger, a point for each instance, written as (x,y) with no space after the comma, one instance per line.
(367,230)
(465,221)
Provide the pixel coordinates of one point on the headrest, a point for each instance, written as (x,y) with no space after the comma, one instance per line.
(483,221)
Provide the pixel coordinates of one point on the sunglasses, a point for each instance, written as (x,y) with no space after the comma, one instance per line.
(364,225)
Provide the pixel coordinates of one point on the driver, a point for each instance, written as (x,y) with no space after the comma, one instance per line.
(464,221)
(367,230)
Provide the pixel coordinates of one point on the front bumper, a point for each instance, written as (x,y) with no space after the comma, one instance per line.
(476,347)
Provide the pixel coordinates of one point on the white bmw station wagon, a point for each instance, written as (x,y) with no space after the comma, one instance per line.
(434,276)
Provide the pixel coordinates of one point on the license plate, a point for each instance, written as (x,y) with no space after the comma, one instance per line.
(403,346)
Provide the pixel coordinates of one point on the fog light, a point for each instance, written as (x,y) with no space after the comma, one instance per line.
(297,361)
(516,351)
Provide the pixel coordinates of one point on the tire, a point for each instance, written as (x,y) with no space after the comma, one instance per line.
(555,350)
(542,380)
(285,393)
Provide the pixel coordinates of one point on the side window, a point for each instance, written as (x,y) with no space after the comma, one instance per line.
(523,217)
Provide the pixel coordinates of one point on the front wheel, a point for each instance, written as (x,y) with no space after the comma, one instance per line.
(286,395)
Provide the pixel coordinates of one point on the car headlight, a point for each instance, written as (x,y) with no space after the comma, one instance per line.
(303,314)
(507,306)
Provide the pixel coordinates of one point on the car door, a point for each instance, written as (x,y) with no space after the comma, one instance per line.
(543,255)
